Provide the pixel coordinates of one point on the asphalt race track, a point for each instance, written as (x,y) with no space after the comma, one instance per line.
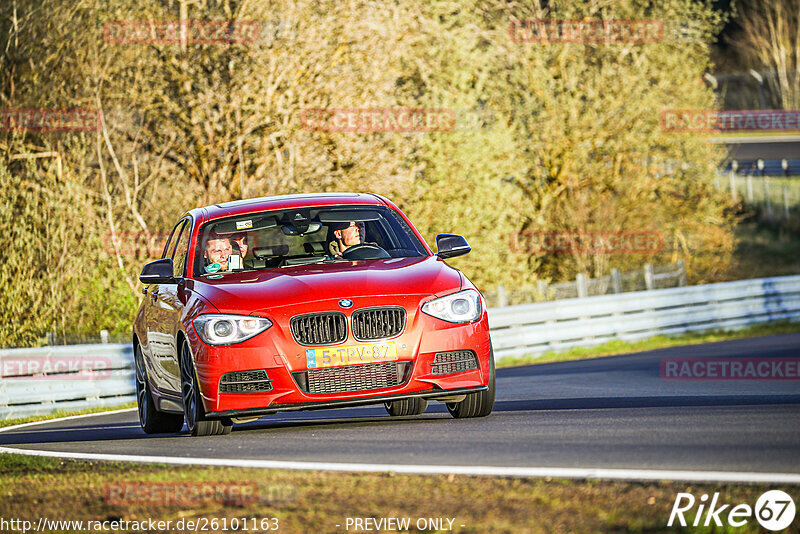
(608,413)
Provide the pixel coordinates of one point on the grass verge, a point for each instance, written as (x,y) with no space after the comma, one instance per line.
(763,251)
(318,501)
(322,501)
(616,347)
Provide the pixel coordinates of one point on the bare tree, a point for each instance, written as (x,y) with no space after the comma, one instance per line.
(770,40)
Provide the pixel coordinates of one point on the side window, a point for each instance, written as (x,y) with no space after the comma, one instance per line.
(181,249)
(170,245)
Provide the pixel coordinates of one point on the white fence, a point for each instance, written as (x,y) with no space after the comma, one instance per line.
(649,277)
(777,199)
(42,380)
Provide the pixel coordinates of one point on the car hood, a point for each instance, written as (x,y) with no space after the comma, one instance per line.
(248,292)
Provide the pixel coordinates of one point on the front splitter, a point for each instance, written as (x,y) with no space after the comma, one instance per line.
(294,407)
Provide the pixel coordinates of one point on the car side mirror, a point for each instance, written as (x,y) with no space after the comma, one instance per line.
(451,245)
(157,272)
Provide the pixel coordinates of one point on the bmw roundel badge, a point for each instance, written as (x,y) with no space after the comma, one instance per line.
(345,303)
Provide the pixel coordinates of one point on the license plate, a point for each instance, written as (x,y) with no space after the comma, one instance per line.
(351,354)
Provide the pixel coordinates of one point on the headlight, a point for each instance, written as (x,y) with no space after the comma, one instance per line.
(461,307)
(219,329)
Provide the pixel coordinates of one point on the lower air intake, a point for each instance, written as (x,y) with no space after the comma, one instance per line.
(353,377)
(445,363)
(245,382)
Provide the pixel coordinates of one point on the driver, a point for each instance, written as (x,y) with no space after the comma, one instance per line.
(219,249)
(346,235)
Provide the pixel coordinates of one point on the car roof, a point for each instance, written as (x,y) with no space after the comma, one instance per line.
(282,202)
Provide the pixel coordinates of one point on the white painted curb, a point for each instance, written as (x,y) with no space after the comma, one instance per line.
(555,472)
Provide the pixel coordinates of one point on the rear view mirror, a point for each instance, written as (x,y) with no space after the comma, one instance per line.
(301,228)
(157,272)
(451,245)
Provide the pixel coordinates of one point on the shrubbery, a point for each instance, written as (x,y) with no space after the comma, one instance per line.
(554,137)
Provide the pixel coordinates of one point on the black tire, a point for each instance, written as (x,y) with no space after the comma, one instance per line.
(478,404)
(193,404)
(152,421)
(411,406)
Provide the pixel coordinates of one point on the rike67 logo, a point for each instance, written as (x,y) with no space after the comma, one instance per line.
(774,510)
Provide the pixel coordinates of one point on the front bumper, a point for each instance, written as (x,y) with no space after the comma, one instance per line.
(276,352)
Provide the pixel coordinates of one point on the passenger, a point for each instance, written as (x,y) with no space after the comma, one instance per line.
(218,249)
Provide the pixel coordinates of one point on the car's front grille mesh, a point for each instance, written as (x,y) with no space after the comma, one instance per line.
(355,377)
(319,328)
(245,382)
(445,363)
(378,323)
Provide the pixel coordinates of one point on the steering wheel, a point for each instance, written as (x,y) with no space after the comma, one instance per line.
(365,251)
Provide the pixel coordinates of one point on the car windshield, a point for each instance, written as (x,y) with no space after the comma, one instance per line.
(278,239)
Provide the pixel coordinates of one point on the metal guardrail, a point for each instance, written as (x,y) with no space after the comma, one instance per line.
(37,381)
(42,380)
(533,329)
(769,167)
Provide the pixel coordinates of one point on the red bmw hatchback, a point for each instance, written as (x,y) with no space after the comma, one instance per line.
(306,302)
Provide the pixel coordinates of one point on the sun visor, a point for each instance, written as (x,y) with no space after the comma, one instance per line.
(343,216)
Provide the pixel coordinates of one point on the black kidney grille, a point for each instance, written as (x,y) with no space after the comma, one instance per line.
(445,363)
(378,323)
(245,382)
(355,377)
(319,328)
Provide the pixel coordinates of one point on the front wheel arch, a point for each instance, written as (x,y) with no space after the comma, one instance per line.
(478,404)
(151,419)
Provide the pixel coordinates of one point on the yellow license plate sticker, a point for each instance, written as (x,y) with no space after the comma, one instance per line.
(351,355)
